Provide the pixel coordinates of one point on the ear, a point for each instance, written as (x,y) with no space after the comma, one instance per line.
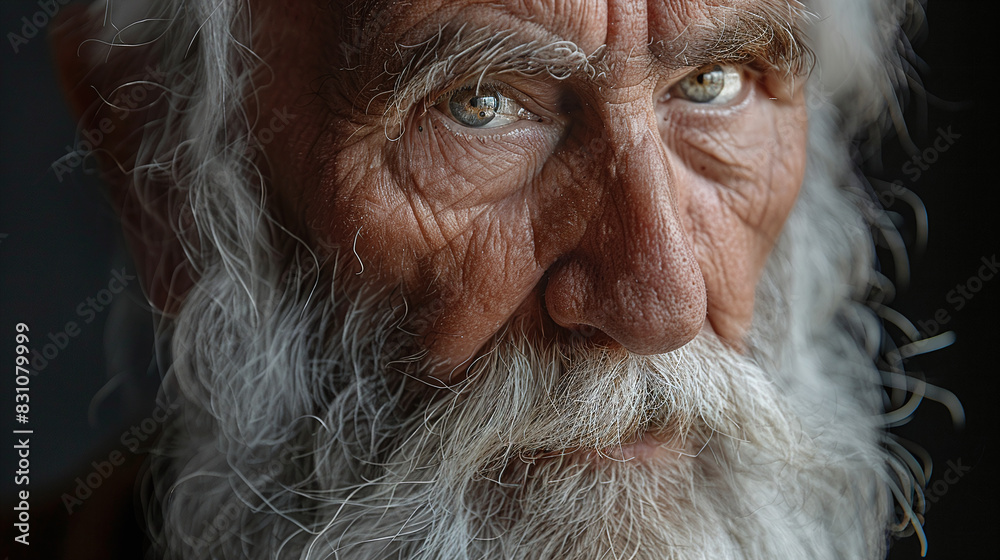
(115,94)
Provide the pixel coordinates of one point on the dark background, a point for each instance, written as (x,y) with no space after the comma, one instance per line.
(959,190)
(60,245)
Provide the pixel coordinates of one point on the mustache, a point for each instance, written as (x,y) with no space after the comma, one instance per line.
(525,400)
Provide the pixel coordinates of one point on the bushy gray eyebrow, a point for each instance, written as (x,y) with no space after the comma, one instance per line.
(765,32)
(455,56)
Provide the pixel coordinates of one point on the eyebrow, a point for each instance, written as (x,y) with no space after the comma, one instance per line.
(763,33)
(456,55)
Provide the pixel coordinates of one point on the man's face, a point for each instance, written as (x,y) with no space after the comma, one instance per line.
(617,170)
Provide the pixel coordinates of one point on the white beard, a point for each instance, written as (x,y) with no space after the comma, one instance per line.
(759,471)
(300,441)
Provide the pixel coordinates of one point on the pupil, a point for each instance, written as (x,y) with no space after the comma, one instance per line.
(485,103)
(705,85)
(474,110)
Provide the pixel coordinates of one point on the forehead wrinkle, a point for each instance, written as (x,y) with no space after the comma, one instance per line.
(583,21)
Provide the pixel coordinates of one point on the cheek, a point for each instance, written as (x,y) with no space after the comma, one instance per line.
(741,181)
(443,216)
(453,167)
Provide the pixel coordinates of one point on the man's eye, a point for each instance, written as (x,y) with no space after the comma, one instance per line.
(716,84)
(483,107)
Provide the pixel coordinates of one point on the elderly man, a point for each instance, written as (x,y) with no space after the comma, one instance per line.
(447,279)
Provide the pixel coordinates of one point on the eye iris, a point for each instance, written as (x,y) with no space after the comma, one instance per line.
(472,109)
(704,86)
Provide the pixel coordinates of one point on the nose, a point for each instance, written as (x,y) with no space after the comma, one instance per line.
(633,275)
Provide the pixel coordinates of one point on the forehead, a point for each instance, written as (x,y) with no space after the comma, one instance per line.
(588,23)
(582,21)
(680,33)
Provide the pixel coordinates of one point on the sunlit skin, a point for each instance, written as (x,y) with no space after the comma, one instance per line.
(624,211)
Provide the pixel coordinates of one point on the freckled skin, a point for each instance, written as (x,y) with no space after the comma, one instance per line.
(641,219)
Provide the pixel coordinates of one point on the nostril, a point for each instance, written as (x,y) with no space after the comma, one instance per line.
(590,335)
(561,318)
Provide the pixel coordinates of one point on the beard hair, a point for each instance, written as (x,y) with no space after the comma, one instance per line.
(302,437)
(487,472)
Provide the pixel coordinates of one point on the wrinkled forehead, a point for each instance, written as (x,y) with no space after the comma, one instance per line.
(682,33)
(585,22)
